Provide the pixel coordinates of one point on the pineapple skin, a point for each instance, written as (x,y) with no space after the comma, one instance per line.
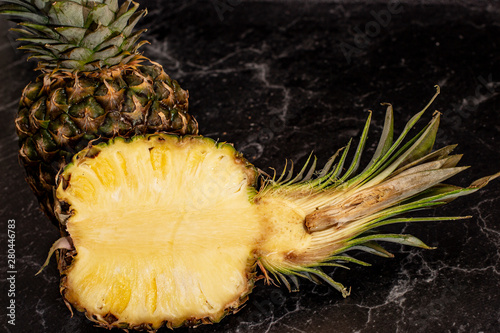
(62,112)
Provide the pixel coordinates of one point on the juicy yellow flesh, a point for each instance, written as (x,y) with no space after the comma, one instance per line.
(163,230)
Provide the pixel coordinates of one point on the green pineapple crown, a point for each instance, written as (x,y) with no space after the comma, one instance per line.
(83,35)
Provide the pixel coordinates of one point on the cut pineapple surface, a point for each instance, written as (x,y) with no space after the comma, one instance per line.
(163,229)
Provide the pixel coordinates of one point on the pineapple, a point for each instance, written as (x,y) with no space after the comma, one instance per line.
(162,227)
(93,86)
(170,230)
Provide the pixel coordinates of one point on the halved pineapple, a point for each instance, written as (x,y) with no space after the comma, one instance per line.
(170,230)
(163,229)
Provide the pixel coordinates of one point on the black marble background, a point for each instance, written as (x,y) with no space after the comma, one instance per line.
(282,79)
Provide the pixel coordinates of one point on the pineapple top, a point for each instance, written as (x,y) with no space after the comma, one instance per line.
(82,35)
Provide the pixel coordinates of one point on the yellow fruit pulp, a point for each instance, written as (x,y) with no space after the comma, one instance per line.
(163,229)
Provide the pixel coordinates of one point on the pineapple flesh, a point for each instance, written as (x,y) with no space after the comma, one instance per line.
(154,223)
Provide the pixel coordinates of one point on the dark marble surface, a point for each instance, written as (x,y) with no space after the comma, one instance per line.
(274,79)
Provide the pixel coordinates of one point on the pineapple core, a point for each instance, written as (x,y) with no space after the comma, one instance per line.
(163,229)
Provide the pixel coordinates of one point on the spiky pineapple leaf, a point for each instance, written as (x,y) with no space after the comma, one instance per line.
(68,13)
(385,141)
(357,157)
(95,38)
(41,28)
(22,5)
(123,17)
(102,14)
(67,25)
(392,238)
(16,13)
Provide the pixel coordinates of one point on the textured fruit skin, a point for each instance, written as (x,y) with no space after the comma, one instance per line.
(62,112)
